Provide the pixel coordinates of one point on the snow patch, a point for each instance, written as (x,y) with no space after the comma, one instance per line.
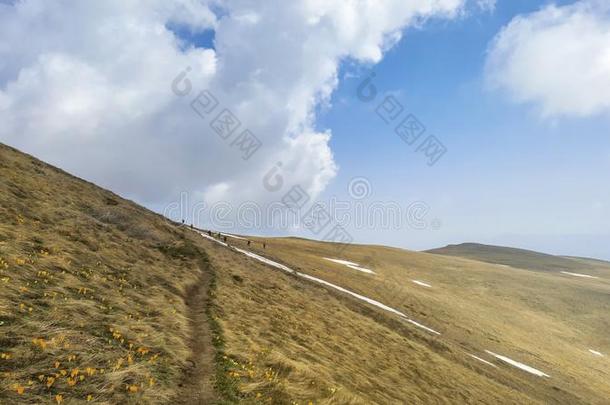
(521,366)
(233,236)
(578,274)
(267,261)
(482,360)
(421,283)
(595,352)
(351,265)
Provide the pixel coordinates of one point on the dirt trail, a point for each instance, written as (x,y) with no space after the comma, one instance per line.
(197,386)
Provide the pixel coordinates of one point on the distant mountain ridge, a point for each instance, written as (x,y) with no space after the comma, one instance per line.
(515,257)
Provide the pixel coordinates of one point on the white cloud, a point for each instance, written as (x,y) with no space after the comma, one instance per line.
(86,85)
(557,58)
(487,5)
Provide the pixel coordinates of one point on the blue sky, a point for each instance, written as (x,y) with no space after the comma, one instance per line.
(518,94)
(509,176)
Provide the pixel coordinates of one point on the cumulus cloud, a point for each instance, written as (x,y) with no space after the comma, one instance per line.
(87,86)
(557,58)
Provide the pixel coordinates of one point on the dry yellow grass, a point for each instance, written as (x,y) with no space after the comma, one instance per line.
(292,342)
(319,340)
(92,292)
(101,301)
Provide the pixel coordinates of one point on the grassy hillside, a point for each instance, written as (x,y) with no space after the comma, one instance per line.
(93,292)
(290,341)
(102,301)
(520,258)
(546,320)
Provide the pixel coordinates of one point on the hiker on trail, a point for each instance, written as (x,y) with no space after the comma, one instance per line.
(183,222)
(191,226)
(248,243)
(224,238)
(264,245)
(210,233)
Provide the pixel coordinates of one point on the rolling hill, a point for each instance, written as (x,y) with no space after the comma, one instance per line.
(103,301)
(520,258)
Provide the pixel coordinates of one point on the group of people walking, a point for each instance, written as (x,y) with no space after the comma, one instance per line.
(222,237)
(225,240)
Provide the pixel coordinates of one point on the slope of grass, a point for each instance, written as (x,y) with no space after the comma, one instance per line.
(546,320)
(288,341)
(96,305)
(92,292)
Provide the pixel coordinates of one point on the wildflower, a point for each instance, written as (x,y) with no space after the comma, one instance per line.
(118,364)
(40,342)
(132,388)
(19,388)
(50,381)
(89,398)
(143,351)
(59,398)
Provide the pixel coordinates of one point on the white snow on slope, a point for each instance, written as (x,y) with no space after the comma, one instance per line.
(422,283)
(595,352)
(578,274)
(325,283)
(233,236)
(267,261)
(521,366)
(351,265)
(482,360)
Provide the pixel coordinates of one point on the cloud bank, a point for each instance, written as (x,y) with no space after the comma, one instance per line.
(88,86)
(557,58)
